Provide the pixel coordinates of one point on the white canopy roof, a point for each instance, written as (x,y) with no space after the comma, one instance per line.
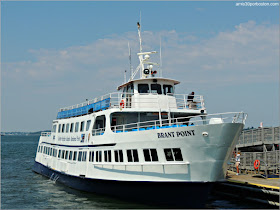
(148,79)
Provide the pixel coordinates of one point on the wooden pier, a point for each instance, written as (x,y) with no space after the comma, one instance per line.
(253,183)
(251,187)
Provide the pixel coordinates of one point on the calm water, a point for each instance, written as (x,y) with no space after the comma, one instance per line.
(23,189)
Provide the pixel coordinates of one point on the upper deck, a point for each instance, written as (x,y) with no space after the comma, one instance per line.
(139,101)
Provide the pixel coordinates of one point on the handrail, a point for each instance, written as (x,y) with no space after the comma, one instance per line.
(116,97)
(233,117)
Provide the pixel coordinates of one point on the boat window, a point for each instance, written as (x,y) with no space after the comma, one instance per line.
(100,156)
(59,153)
(54,128)
(177,154)
(67,128)
(91,156)
(150,155)
(96,156)
(77,127)
(168,89)
(124,92)
(132,155)
(59,128)
(118,155)
(143,88)
(62,154)
(173,154)
(82,126)
(147,155)
(80,156)
(75,155)
(88,124)
(107,156)
(99,125)
(156,88)
(130,89)
(62,130)
(70,155)
(71,127)
(66,154)
(84,156)
(168,155)
(135,155)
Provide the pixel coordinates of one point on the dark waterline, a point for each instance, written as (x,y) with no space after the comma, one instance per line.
(23,189)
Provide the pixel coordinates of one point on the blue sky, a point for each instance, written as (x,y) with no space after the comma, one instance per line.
(56,54)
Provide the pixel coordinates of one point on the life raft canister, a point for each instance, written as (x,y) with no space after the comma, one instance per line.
(122,103)
(257,164)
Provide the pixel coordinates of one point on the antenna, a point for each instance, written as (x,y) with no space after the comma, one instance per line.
(160,63)
(129,52)
(139,33)
(124,76)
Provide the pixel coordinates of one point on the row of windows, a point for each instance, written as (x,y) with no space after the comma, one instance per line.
(150,155)
(47,150)
(155,88)
(73,127)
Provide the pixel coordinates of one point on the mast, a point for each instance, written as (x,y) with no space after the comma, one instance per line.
(160,63)
(130,67)
(144,59)
(139,34)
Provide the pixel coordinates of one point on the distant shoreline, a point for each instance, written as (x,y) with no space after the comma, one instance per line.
(16,133)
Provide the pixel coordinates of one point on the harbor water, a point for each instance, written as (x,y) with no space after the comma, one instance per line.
(21,188)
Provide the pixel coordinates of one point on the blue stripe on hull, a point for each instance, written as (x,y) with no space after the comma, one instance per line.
(165,194)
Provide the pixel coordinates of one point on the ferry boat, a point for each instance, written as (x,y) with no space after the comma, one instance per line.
(144,142)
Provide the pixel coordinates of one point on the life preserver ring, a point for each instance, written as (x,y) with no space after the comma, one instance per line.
(257,164)
(122,104)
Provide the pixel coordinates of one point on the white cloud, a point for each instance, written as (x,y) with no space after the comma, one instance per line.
(249,53)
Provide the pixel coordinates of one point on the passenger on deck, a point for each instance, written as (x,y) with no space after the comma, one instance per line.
(190,101)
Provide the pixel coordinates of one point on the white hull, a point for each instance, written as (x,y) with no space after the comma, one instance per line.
(204,157)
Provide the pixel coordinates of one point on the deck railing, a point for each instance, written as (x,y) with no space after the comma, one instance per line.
(233,117)
(259,136)
(129,100)
(269,162)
